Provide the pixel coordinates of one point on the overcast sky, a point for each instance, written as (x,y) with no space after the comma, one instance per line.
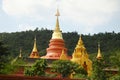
(83,16)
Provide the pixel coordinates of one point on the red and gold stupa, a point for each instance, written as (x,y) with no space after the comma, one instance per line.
(56,44)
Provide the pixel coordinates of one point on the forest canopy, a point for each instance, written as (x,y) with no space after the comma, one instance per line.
(110,41)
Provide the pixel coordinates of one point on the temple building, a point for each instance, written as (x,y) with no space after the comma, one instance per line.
(99,55)
(80,56)
(56,44)
(34,53)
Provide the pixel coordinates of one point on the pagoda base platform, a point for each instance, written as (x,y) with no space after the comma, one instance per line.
(52,58)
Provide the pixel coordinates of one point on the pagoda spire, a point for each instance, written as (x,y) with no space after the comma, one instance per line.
(57,28)
(34,53)
(63,56)
(57,43)
(80,42)
(20,55)
(57,32)
(99,55)
(35,46)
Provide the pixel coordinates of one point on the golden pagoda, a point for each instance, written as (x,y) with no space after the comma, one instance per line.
(56,44)
(34,53)
(99,55)
(63,56)
(80,56)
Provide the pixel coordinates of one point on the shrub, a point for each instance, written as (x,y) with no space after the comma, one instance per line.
(65,67)
(38,69)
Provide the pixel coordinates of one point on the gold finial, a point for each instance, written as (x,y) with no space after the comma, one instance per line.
(99,56)
(35,46)
(80,42)
(57,33)
(98,44)
(35,38)
(20,55)
(57,21)
(57,13)
(57,26)
(80,37)
(63,56)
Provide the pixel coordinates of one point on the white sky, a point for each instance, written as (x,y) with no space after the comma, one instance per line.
(83,16)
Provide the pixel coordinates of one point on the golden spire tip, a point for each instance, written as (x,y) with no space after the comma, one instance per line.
(57,13)
(98,44)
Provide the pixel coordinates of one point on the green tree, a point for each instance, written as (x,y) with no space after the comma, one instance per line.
(115,77)
(25,39)
(65,67)
(4,59)
(115,58)
(115,63)
(98,70)
(3,50)
(38,68)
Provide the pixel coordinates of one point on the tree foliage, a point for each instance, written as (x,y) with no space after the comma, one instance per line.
(115,77)
(24,40)
(3,50)
(115,58)
(4,59)
(65,68)
(98,72)
(38,68)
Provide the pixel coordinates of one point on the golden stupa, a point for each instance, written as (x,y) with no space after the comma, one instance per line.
(80,56)
(99,55)
(34,53)
(63,56)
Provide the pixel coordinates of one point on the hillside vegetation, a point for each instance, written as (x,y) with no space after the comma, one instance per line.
(24,40)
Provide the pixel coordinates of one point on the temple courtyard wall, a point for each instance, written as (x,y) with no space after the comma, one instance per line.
(14,77)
